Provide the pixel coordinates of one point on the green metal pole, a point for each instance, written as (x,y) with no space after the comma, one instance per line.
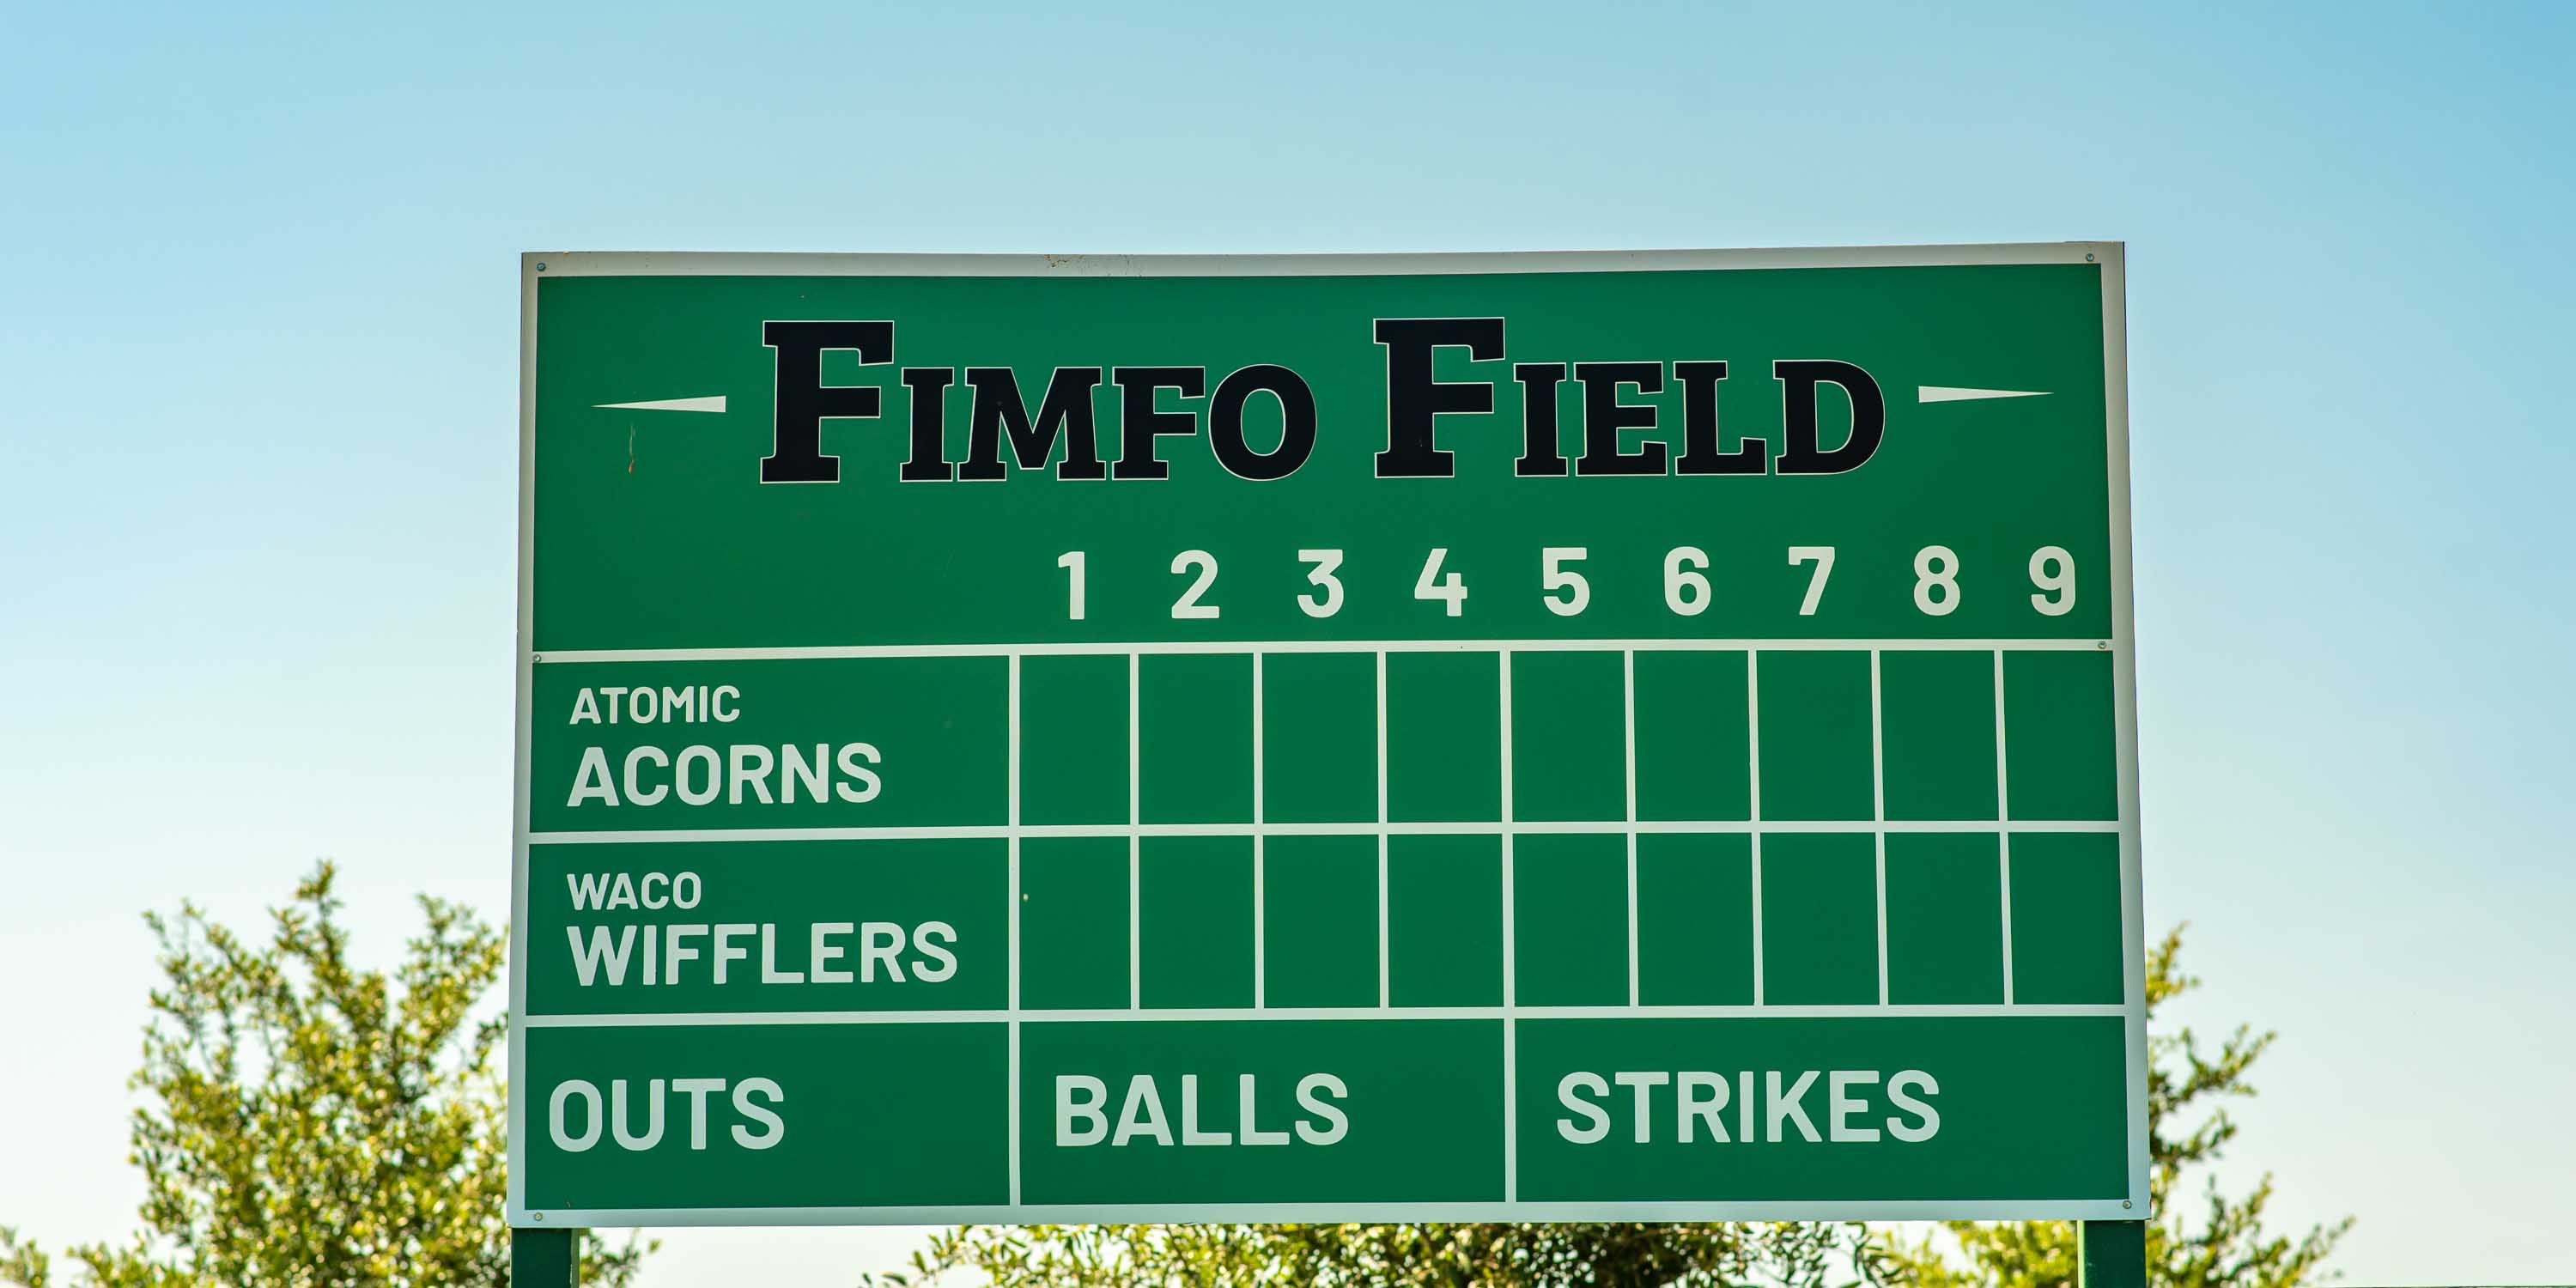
(545,1258)
(2111,1254)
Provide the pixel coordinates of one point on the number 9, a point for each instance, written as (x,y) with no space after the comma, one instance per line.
(2057,587)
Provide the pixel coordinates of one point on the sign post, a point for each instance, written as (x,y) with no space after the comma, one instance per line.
(2112,1254)
(544,1258)
(1489,737)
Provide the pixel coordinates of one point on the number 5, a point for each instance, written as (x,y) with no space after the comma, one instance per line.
(1555,576)
(1823,558)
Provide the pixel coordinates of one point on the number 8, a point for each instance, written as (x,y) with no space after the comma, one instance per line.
(1936,568)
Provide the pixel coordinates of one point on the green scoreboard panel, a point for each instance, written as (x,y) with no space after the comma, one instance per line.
(1479,737)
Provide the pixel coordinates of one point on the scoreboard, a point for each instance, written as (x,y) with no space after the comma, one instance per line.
(1457,737)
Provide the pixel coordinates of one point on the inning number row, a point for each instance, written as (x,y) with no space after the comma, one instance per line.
(1566,592)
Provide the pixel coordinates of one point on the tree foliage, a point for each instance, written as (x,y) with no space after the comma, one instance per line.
(2227,1247)
(2187,1127)
(1518,1255)
(310,1124)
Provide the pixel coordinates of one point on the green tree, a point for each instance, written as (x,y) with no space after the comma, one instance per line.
(2187,1128)
(2227,1248)
(312,1124)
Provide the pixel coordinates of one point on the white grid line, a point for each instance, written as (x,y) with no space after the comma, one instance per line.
(1163,1015)
(1878,815)
(997,831)
(1259,971)
(1013,1090)
(1628,725)
(813,652)
(1136,834)
(1511,1048)
(2003,838)
(1384,973)
(1753,806)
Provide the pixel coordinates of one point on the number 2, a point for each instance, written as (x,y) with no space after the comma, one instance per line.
(1188,607)
(1823,558)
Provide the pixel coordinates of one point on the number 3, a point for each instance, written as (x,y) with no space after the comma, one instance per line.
(1325,562)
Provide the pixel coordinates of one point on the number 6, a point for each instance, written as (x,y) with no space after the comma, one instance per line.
(1685,588)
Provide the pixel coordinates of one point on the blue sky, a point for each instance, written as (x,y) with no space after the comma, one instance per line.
(258,311)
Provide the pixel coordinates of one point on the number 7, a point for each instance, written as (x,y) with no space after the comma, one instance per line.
(1823,558)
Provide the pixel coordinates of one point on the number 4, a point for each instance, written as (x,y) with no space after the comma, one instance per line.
(1823,558)
(1451,588)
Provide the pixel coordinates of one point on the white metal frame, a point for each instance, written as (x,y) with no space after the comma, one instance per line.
(2111,260)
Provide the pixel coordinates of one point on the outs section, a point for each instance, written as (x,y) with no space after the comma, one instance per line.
(767,1115)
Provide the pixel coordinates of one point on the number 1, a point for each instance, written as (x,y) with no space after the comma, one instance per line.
(1071,562)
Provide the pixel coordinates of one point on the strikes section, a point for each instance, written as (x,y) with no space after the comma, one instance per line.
(1891,1109)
